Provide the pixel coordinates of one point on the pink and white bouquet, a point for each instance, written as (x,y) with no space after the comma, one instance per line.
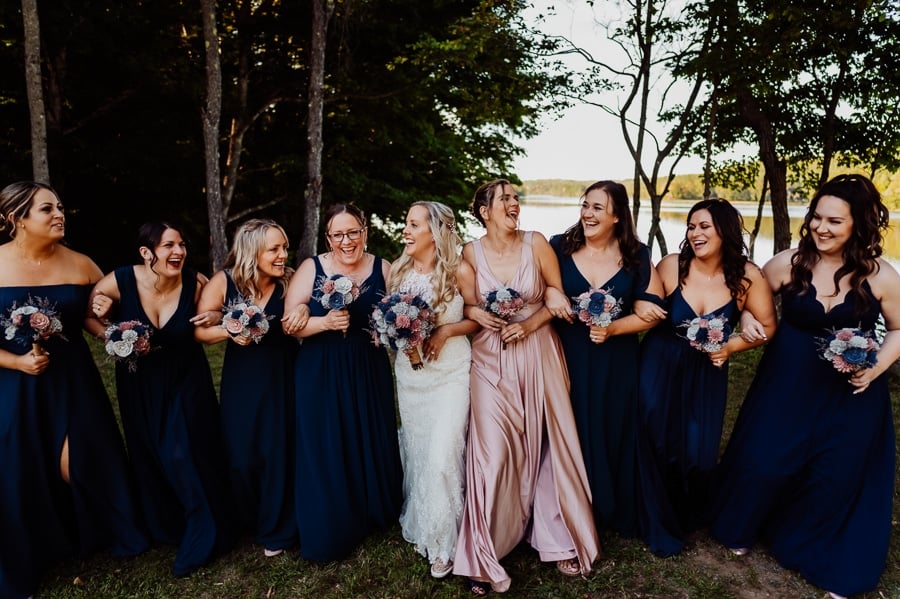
(850,349)
(708,334)
(402,321)
(245,319)
(337,292)
(597,307)
(34,321)
(504,302)
(127,341)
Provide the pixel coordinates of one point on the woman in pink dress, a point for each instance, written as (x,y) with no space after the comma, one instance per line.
(525,477)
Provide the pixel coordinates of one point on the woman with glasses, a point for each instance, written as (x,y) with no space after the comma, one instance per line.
(348,474)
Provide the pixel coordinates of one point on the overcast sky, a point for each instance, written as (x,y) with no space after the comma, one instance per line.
(586,142)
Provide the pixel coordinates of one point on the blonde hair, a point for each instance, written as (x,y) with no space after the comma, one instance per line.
(15,202)
(447,244)
(249,241)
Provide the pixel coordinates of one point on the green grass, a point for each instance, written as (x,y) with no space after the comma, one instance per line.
(386,566)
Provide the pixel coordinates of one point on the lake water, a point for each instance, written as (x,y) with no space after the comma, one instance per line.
(551,215)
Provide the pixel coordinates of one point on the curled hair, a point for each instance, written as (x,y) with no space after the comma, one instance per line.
(15,202)
(484,196)
(447,244)
(336,209)
(860,256)
(249,241)
(623,230)
(730,227)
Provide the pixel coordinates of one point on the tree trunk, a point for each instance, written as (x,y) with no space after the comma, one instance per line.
(40,165)
(759,215)
(212,114)
(312,201)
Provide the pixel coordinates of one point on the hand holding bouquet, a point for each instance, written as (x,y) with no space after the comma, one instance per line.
(850,349)
(34,321)
(127,341)
(402,321)
(245,319)
(708,334)
(505,303)
(597,307)
(337,292)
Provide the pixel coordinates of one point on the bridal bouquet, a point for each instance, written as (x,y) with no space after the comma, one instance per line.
(127,341)
(337,292)
(850,349)
(402,321)
(504,302)
(708,333)
(597,307)
(34,321)
(245,319)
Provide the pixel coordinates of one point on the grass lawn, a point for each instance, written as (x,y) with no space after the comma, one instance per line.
(387,566)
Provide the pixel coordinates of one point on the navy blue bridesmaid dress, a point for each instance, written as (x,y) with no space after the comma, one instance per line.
(349,479)
(809,469)
(43,519)
(257,404)
(604,382)
(681,411)
(172,428)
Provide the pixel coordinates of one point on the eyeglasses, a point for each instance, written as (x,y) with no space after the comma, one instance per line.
(353,235)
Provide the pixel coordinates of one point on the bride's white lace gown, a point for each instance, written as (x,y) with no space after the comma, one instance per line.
(434,414)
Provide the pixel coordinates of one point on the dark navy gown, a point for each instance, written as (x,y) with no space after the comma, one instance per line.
(681,411)
(171,420)
(349,479)
(42,519)
(809,468)
(604,382)
(257,404)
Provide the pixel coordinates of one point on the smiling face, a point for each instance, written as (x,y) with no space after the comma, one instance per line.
(170,253)
(417,235)
(504,209)
(597,216)
(271,258)
(347,238)
(45,217)
(702,234)
(831,225)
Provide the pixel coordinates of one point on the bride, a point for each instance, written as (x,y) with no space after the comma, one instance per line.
(434,401)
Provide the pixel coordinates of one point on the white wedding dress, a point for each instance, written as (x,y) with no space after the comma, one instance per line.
(434,415)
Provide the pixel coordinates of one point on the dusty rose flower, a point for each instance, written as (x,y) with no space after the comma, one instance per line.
(39,321)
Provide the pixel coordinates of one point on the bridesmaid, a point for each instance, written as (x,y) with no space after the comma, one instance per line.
(434,401)
(525,475)
(682,390)
(820,497)
(66,490)
(348,475)
(601,251)
(257,386)
(168,402)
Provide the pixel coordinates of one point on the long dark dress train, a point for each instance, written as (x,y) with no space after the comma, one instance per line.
(681,411)
(604,380)
(42,518)
(810,466)
(171,421)
(349,479)
(257,404)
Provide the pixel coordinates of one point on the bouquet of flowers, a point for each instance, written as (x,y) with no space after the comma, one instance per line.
(850,349)
(337,292)
(127,341)
(503,302)
(402,321)
(708,333)
(34,321)
(245,319)
(597,307)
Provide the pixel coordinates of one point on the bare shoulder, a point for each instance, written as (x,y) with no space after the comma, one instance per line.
(886,281)
(753,272)
(80,266)
(468,252)
(668,264)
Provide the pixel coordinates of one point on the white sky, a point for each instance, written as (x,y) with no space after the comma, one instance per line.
(586,142)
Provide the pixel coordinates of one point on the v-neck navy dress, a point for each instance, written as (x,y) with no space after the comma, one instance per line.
(809,468)
(171,420)
(681,412)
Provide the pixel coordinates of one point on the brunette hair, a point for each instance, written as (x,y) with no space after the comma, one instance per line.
(484,196)
(15,202)
(730,227)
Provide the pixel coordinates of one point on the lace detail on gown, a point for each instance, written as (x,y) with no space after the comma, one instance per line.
(434,411)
